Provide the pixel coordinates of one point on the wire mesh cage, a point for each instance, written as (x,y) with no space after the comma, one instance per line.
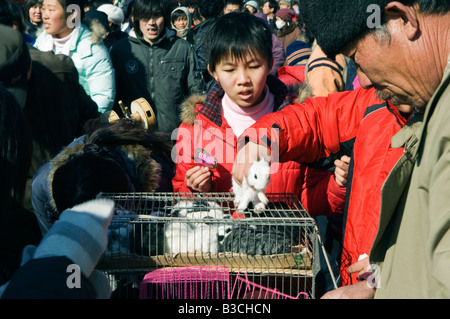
(276,249)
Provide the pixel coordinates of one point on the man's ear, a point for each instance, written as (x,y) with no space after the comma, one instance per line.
(408,14)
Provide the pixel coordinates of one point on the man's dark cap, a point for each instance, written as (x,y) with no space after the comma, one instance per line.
(335,24)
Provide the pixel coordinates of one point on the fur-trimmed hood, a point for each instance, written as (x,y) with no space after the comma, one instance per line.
(98,32)
(190,107)
(136,160)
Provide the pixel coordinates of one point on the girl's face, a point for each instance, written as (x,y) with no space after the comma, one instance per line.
(243,80)
(35,14)
(54,17)
(181,23)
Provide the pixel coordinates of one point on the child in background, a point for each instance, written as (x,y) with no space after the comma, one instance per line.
(240,60)
(181,22)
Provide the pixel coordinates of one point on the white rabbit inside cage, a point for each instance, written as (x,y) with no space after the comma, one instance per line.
(201,233)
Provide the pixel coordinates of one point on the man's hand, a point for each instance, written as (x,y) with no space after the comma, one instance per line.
(250,153)
(360,290)
(198,179)
(341,171)
(362,267)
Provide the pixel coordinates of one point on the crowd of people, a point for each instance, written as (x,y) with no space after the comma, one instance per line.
(349,113)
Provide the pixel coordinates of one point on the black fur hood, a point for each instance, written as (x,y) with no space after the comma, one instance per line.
(136,160)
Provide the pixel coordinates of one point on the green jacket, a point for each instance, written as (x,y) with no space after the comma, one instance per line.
(412,246)
(164,73)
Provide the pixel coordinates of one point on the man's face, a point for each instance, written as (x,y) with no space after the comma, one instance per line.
(387,66)
(231,8)
(266,9)
(153,28)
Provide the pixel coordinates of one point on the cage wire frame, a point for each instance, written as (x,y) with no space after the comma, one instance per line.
(191,282)
(137,246)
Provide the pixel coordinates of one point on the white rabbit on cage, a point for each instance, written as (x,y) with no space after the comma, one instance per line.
(252,190)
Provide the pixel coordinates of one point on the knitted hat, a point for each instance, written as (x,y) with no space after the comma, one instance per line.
(254,4)
(337,23)
(296,52)
(114,13)
(286,2)
(286,14)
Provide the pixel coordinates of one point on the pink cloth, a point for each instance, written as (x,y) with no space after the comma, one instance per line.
(240,118)
(356,83)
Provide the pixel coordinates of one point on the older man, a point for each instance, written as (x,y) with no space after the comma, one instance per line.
(401,49)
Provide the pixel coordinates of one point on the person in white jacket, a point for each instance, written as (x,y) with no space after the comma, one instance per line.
(65,34)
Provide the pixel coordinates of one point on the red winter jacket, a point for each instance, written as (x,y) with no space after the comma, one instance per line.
(291,75)
(204,128)
(321,129)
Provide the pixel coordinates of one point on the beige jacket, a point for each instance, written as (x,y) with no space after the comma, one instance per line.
(412,246)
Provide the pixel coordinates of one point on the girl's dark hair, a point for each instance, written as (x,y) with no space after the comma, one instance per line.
(15,150)
(102,166)
(210,8)
(127,132)
(84,176)
(144,9)
(240,33)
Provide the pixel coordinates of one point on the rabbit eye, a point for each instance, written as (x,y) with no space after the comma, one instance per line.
(256,177)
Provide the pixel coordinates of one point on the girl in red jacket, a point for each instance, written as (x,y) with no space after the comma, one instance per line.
(240,59)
